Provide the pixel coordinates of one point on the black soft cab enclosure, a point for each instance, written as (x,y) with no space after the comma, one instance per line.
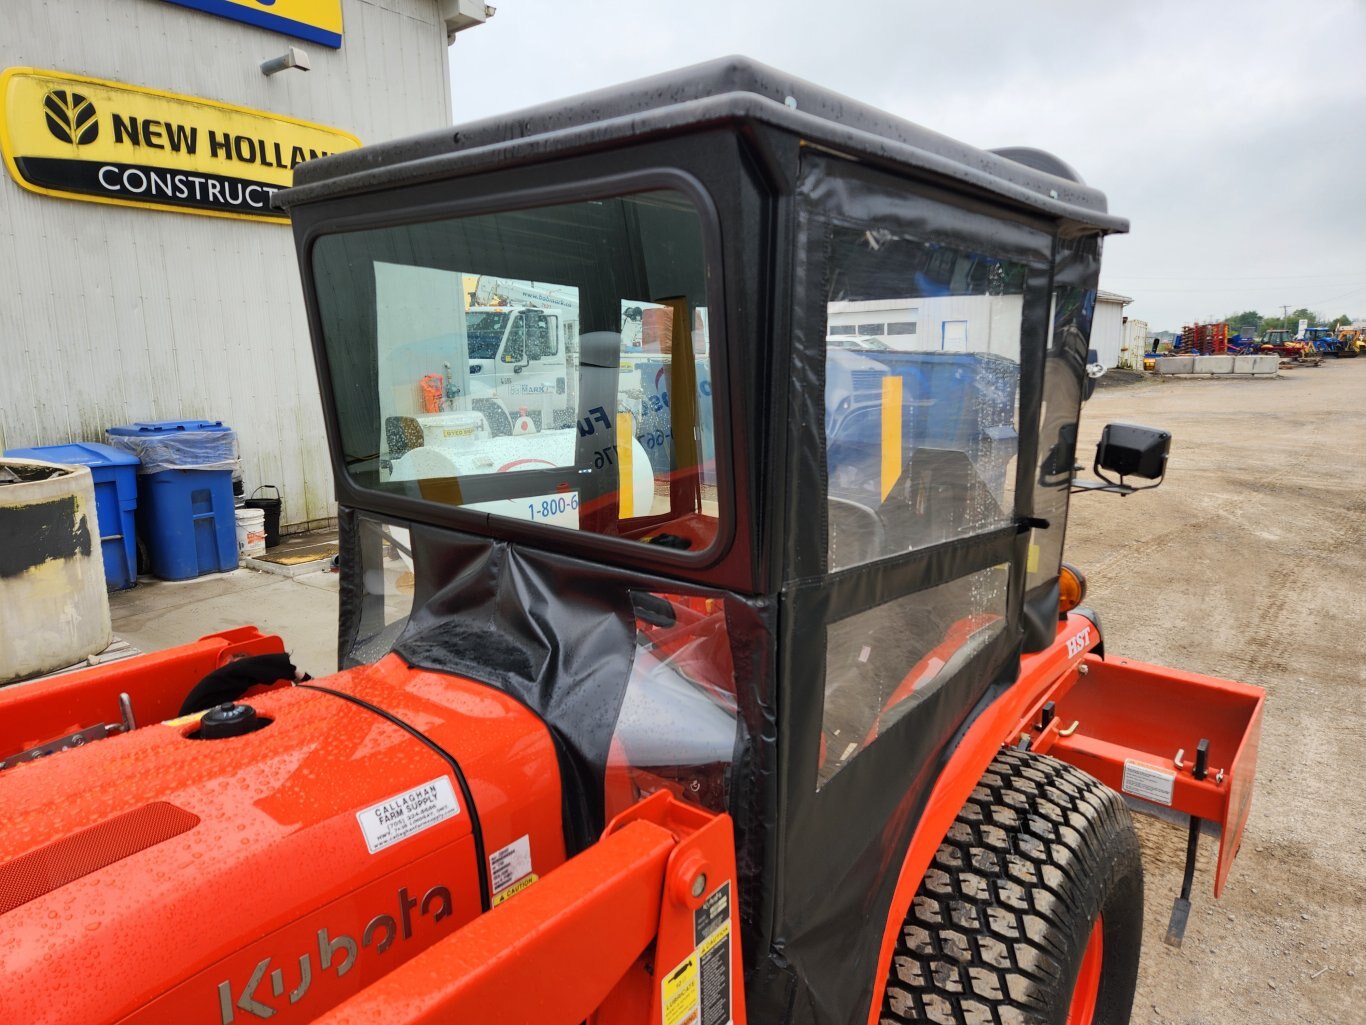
(716,544)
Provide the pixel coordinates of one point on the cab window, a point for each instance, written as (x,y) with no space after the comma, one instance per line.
(487,363)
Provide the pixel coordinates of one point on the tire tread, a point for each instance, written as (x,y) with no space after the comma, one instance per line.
(986,940)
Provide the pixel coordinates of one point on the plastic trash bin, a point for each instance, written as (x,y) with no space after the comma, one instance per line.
(271,508)
(185,509)
(116,498)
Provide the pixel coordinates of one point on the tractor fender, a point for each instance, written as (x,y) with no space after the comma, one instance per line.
(997,725)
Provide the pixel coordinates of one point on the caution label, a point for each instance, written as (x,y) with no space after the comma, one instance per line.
(510,869)
(514,889)
(698,991)
(1148,782)
(711,931)
(407,814)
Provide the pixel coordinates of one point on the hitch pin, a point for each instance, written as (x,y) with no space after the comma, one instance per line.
(126,713)
(1177,761)
(1071,729)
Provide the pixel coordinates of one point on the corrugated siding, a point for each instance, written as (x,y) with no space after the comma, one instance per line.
(111,315)
(1133,343)
(1107,330)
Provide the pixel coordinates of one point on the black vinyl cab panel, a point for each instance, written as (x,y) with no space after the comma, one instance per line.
(586,369)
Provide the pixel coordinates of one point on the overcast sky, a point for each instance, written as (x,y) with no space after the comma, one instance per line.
(1231,134)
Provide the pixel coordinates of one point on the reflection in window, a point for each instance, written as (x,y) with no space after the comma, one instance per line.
(386,588)
(548,365)
(677,726)
(921,429)
(1073,309)
(881,663)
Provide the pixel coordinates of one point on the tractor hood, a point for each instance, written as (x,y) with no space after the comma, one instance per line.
(273,874)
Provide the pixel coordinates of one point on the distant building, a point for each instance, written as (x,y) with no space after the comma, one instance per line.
(1107,329)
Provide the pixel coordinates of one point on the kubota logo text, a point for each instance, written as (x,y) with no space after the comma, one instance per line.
(261,999)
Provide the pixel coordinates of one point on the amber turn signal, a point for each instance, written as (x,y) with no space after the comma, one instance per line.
(1071,588)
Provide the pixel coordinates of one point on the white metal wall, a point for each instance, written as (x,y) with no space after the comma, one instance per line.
(110,315)
(1133,344)
(990,323)
(1107,330)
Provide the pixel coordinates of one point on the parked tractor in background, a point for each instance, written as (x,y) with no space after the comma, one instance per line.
(1283,343)
(1351,342)
(1322,340)
(812,727)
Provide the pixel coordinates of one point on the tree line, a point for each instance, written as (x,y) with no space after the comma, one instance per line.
(1252,322)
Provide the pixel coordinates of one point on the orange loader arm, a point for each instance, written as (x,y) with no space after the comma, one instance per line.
(610,936)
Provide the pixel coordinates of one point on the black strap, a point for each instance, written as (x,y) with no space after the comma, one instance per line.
(485,901)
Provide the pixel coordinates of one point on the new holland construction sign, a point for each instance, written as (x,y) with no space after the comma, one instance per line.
(319,21)
(106,142)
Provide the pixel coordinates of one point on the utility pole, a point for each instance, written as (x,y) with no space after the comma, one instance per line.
(1285,316)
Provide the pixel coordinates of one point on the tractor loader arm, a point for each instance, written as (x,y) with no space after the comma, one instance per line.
(612,935)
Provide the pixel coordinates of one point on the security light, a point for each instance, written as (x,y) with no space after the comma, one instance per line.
(291,58)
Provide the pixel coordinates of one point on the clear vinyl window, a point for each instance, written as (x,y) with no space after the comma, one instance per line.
(921,405)
(1073,310)
(549,365)
(678,722)
(386,588)
(881,663)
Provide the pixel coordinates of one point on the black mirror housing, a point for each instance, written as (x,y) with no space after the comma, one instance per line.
(1131,450)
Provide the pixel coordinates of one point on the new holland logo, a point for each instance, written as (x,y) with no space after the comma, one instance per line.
(71,117)
(107,142)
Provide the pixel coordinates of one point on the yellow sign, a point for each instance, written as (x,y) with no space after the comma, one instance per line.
(106,142)
(514,889)
(319,21)
(678,994)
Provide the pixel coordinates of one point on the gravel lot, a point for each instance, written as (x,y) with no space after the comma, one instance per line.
(1250,563)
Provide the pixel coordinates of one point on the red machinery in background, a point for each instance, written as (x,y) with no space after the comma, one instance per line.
(1204,340)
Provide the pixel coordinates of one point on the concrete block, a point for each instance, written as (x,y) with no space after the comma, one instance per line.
(1175,364)
(1213,364)
(1261,366)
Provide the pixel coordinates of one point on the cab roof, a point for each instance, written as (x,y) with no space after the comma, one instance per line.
(729,90)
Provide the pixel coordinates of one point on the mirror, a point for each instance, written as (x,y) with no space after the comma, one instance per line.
(1131,450)
(1061,462)
(1094,371)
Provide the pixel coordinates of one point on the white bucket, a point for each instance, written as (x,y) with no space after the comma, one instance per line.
(251,531)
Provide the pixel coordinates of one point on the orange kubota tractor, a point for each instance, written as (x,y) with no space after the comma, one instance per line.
(744,683)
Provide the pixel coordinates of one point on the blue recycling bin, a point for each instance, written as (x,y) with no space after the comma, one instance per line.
(116,500)
(185,509)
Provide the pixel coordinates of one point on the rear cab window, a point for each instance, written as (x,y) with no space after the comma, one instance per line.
(550,365)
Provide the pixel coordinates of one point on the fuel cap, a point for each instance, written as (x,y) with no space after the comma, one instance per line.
(230,720)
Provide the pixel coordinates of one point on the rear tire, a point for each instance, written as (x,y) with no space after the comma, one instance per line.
(997,932)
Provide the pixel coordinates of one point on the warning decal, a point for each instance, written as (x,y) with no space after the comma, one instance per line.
(510,869)
(1147,782)
(407,814)
(711,932)
(514,889)
(698,991)
(679,993)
